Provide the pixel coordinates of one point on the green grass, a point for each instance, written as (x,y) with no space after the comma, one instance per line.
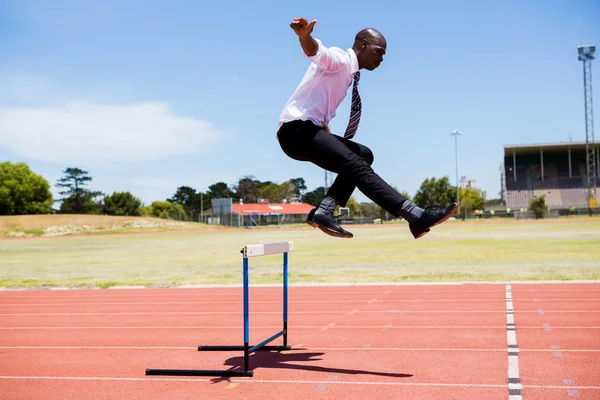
(455,251)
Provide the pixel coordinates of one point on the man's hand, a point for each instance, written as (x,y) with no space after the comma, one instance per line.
(302,27)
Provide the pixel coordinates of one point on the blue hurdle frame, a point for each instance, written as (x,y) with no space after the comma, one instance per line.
(247,251)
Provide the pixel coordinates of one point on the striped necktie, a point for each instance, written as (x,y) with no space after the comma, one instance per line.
(354,109)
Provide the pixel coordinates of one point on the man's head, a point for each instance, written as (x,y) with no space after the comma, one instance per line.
(369,46)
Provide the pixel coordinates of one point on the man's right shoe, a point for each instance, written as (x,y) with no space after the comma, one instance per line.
(326,222)
(431,218)
(309,219)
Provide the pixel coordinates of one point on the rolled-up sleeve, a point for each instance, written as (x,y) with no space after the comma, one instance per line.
(328,59)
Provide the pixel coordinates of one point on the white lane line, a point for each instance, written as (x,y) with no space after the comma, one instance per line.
(514,380)
(337,327)
(311,382)
(196,380)
(300,312)
(423,349)
(388,300)
(78,293)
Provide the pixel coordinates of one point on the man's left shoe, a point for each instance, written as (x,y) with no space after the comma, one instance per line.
(429,219)
(326,222)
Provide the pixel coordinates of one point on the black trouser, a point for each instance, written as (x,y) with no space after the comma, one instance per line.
(351,161)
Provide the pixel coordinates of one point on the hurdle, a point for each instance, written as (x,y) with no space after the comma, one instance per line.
(248,251)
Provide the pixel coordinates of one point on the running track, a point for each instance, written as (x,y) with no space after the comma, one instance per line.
(476,341)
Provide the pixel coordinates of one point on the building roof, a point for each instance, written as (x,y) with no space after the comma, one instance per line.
(536,147)
(271,209)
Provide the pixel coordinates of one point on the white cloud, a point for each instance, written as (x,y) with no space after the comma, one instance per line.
(96,134)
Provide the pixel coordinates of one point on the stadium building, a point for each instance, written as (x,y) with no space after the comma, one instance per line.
(556,170)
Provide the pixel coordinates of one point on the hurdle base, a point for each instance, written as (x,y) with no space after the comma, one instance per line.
(241,348)
(215,372)
(198,372)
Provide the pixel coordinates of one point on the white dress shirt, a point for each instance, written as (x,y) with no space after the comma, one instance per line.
(323,87)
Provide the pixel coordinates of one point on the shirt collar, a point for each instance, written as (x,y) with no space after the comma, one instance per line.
(353,61)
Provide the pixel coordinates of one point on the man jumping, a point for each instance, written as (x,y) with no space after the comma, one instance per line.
(304,133)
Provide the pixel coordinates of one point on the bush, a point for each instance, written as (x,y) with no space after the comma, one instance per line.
(121,203)
(538,206)
(164,209)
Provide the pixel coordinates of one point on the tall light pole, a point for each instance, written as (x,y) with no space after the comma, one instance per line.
(586,54)
(456,134)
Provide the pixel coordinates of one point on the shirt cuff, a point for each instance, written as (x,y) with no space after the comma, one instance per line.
(319,54)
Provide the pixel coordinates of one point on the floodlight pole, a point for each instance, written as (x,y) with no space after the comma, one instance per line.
(456,133)
(586,54)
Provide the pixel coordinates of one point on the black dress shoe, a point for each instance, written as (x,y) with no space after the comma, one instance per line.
(309,219)
(431,218)
(326,222)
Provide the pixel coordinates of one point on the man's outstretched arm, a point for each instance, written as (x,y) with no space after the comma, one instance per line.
(303,29)
(313,49)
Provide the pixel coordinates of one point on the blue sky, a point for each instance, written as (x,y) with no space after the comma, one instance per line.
(151,95)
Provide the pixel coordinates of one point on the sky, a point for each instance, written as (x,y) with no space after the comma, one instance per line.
(151,95)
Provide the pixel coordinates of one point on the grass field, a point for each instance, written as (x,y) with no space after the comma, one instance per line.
(25,226)
(491,250)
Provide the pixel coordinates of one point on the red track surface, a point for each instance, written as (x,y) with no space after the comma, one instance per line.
(356,342)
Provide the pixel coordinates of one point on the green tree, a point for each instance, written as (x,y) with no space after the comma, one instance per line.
(372,210)
(355,209)
(300,185)
(435,193)
(204,201)
(538,206)
(122,203)
(77,199)
(220,190)
(184,195)
(247,189)
(314,197)
(270,192)
(22,191)
(191,200)
(471,200)
(277,193)
(287,190)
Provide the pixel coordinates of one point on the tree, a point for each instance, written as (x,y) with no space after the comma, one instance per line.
(77,199)
(372,210)
(354,207)
(314,197)
(277,193)
(538,206)
(287,190)
(300,185)
(435,193)
(191,200)
(219,190)
(122,203)
(22,191)
(185,196)
(471,200)
(270,192)
(247,189)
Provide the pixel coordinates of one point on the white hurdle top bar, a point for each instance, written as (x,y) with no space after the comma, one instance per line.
(256,250)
